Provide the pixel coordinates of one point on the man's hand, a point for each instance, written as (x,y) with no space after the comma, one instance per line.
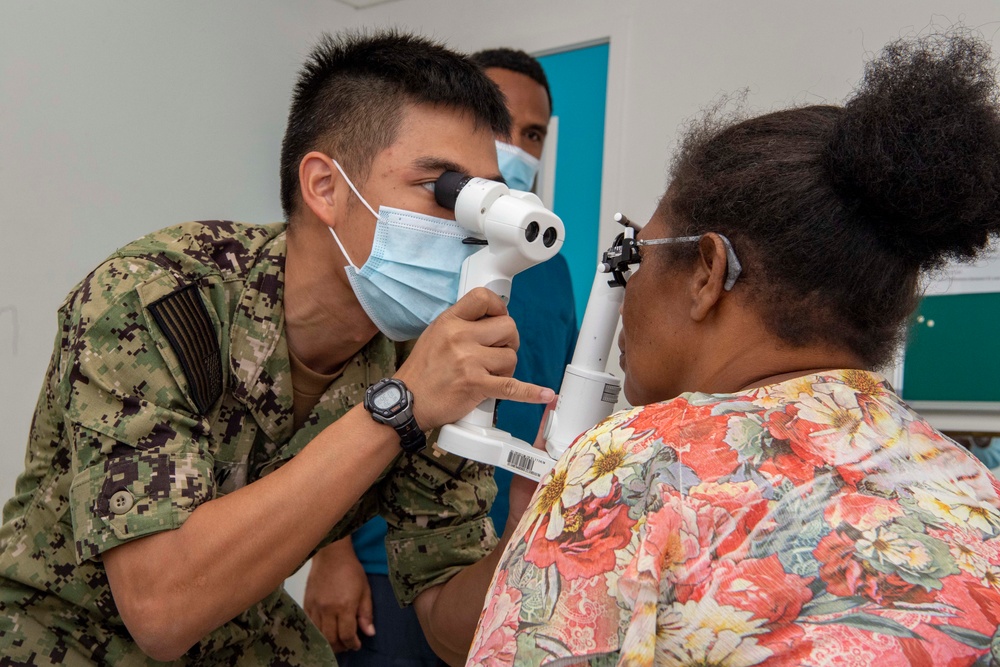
(338,598)
(465,356)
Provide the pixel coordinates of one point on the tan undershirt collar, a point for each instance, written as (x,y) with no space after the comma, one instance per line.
(308,387)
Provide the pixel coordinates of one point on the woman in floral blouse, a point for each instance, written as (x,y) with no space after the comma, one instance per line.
(773,501)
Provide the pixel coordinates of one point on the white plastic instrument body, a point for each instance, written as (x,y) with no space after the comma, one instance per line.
(589,393)
(587,396)
(520,233)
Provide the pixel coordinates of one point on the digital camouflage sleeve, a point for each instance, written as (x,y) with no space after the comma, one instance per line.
(169,386)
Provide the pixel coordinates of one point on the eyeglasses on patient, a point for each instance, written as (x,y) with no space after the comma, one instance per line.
(624,253)
(733,266)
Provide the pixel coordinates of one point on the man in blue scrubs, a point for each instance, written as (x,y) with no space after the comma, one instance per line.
(348,595)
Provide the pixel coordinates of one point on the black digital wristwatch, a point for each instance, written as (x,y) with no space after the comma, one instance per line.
(390,402)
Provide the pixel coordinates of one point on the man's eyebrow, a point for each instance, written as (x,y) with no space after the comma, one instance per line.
(435,164)
(432,163)
(538,127)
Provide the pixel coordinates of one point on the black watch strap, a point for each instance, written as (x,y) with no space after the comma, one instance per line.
(411,438)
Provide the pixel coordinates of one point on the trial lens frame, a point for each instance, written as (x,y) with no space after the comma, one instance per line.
(624,252)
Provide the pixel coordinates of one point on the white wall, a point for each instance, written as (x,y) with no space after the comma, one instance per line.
(117,119)
(120,118)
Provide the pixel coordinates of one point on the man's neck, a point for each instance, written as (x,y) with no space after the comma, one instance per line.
(324,323)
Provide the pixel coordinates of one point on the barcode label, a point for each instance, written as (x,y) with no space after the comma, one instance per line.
(610,394)
(520,461)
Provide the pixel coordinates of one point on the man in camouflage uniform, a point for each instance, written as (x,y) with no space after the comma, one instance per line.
(199,433)
(349,595)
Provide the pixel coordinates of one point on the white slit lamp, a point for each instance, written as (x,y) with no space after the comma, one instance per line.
(518,232)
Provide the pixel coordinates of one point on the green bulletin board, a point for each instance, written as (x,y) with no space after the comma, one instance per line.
(953,352)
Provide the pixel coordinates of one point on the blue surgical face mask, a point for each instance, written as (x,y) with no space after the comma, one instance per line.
(517,167)
(412,273)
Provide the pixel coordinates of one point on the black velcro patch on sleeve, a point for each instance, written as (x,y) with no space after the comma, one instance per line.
(450,463)
(184,320)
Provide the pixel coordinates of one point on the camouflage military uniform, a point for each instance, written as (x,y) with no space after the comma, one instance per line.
(139,422)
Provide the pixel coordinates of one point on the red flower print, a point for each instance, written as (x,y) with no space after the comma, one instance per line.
(592,531)
(741,500)
(678,544)
(788,644)
(496,643)
(694,434)
(761,586)
(988,600)
(847,575)
(665,416)
(701,446)
(785,426)
(788,466)
(979,603)
(861,511)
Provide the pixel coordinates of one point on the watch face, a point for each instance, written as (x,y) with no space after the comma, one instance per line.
(387,398)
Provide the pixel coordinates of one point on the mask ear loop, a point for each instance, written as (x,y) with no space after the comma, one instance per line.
(370,209)
(733,266)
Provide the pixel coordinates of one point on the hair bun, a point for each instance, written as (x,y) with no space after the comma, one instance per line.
(917,149)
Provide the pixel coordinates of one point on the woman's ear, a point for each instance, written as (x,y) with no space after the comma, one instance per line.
(709,278)
(317,181)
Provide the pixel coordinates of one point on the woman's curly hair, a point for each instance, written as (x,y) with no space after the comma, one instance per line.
(835,211)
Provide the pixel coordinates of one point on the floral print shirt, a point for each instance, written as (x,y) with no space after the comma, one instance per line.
(818,521)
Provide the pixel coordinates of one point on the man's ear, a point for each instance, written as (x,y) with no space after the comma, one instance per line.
(710,276)
(317,184)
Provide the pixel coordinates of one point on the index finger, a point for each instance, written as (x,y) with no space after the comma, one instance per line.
(510,389)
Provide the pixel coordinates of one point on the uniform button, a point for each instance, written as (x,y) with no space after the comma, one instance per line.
(121,502)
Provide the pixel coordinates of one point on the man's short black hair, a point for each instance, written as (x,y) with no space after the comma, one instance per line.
(515,61)
(351,92)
